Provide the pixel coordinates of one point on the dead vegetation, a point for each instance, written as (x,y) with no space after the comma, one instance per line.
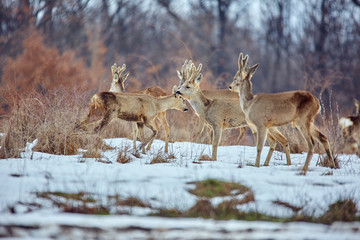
(50,119)
(160,157)
(212,188)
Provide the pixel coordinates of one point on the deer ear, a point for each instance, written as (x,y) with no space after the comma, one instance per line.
(253,69)
(179,75)
(198,79)
(174,89)
(244,61)
(240,61)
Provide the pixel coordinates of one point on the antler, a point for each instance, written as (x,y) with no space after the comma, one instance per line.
(121,70)
(113,69)
(242,62)
(195,71)
(185,73)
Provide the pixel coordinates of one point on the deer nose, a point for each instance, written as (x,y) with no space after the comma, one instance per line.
(230,87)
(178,92)
(185,110)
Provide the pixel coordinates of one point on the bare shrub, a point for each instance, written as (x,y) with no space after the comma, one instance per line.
(55,134)
(159,158)
(123,155)
(49,118)
(19,128)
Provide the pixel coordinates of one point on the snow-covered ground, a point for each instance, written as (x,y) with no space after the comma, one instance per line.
(166,185)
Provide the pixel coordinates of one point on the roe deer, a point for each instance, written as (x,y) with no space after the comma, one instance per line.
(117,85)
(350,127)
(224,94)
(220,114)
(133,107)
(263,112)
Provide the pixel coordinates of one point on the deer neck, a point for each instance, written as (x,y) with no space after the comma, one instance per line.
(245,94)
(200,103)
(165,103)
(116,88)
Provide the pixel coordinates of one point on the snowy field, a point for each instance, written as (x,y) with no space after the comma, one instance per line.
(165,185)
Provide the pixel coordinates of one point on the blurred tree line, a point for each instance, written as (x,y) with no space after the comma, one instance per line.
(310,44)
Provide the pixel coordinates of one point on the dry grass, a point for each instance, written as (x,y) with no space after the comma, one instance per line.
(50,119)
(159,158)
(205,158)
(123,155)
(20,128)
(213,188)
(203,208)
(342,210)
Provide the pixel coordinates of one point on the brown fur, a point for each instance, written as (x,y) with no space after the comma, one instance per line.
(223,94)
(220,114)
(139,108)
(265,111)
(350,129)
(118,86)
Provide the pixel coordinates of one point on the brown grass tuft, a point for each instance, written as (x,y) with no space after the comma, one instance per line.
(203,208)
(123,155)
(342,210)
(92,154)
(159,158)
(205,158)
(213,188)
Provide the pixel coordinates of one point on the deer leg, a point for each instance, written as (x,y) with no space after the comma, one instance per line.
(165,124)
(82,124)
(156,125)
(272,144)
(135,132)
(108,117)
(202,125)
(283,142)
(241,134)
(140,127)
(217,132)
(261,136)
(149,124)
(324,141)
(305,132)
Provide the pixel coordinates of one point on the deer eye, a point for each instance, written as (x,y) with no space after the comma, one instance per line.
(187,87)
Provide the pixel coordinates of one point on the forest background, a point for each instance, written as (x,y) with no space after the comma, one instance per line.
(311,44)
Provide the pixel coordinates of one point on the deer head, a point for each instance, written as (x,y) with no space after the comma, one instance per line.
(118,79)
(180,102)
(192,80)
(244,74)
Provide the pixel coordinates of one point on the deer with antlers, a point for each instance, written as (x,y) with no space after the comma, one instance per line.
(224,94)
(117,85)
(350,128)
(220,114)
(263,112)
(139,108)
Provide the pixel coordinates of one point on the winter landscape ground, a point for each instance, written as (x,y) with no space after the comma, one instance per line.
(35,200)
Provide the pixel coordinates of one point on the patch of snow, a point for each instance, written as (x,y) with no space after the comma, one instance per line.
(165,185)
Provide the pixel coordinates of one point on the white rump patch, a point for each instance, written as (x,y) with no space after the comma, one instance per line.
(345,122)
